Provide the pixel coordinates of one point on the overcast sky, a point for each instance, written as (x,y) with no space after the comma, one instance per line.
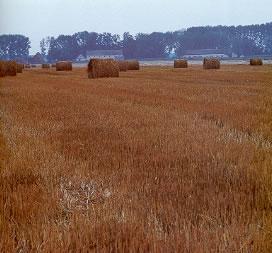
(40,18)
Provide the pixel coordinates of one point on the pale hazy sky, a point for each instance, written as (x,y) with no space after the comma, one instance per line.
(40,18)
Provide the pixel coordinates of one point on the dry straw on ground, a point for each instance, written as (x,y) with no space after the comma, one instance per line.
(103,68)
(256,62)
(180,64)
(211,63)
(64,66)
(133,65)
(152,162)
(123,65)
(45,66)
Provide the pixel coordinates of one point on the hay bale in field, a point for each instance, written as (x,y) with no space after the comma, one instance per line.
(256,62)
(64,66)
(181,63)
(211,63)
(103,68)
(11,68)
(3,68)
(45,66)
(123,65)
(133,65)
(19,67)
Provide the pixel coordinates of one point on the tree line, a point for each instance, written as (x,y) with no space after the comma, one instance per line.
(239,40)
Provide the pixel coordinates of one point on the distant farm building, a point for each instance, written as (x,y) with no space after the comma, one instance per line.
(205,53)
(105,54)
(36,59)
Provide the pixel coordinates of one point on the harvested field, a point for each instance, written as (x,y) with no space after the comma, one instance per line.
(152,161)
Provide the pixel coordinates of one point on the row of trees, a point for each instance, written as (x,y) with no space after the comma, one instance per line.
(240,40)
(154,45)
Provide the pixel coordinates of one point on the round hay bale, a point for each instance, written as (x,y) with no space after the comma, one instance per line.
(98,68)
(133,65)
(3,68)
(256,62)
(64,66)
(123,65)
(211,63)
(45,66)
(19,68)
(181,63)
(11,68)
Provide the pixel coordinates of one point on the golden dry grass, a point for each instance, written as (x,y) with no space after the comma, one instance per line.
(160,160)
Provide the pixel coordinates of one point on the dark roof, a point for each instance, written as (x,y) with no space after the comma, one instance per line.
(104,52)
(36,59)
(205,51)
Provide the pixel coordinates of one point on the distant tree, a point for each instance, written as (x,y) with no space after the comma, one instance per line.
(14,47)
(42,46)
(151,45)
(45,45)
(108,41)
(241,40)
(203,38)
(85,41)
(129,46)
(172,42)
(65,47)
(268,44)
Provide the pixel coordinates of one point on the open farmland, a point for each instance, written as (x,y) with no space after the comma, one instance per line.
(157,160)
